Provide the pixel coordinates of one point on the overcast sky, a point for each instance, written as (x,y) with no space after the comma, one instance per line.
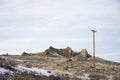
(34,25)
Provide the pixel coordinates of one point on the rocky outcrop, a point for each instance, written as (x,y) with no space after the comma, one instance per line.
(66,52)
(83,55)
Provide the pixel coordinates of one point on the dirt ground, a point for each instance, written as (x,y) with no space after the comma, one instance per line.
(64,66)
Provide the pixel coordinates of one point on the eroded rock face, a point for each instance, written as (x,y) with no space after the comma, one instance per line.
(84,53)
(67,52)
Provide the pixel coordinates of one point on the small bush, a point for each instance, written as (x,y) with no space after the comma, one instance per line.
(116,78)
(52,77)
(97,77)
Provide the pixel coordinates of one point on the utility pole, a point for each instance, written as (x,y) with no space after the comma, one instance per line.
(94,66)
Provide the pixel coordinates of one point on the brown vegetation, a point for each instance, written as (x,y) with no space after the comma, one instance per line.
(80,64)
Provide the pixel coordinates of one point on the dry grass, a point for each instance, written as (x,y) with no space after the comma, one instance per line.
(61,65)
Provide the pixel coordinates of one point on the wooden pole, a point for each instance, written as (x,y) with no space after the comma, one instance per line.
(94,50)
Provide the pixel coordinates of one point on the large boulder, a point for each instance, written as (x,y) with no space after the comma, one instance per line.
(83,55)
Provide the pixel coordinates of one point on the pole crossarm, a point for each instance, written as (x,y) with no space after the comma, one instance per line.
(93,30)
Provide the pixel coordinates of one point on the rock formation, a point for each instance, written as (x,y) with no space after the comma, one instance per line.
(67,52)
(83,55)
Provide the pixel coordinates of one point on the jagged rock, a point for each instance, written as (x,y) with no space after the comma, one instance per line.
(66,52)
(84,53)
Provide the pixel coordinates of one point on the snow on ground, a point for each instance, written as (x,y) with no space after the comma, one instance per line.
(20,60)
(7,58)
(34,69)
(3,71)
(83,77)
(55,54)
(2,57)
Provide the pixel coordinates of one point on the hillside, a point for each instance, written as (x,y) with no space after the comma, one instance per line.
(57,64)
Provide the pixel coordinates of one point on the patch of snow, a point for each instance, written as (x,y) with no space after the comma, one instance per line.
(20,60)
(3,57)
(83,77)
(34,69)
(55,54)
(88,58)
(7,58)
(3,71)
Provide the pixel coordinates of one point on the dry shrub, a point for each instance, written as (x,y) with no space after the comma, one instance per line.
(98,77)
(116,78)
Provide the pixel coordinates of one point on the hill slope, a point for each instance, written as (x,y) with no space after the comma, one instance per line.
(55,64)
